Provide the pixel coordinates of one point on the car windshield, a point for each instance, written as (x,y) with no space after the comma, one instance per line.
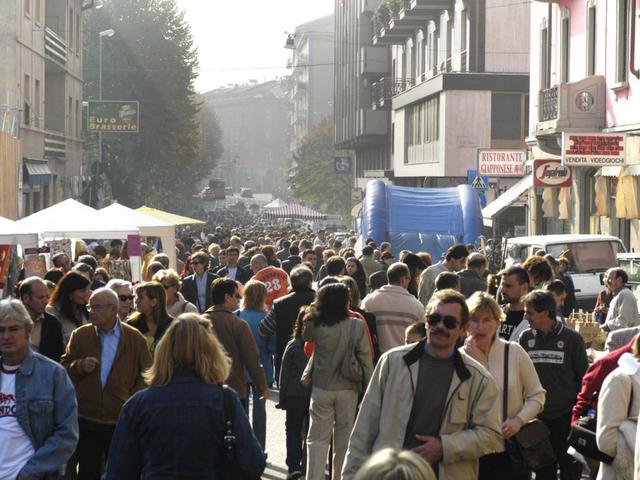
(587,257)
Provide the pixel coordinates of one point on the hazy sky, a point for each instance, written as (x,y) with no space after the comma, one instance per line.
(239,40)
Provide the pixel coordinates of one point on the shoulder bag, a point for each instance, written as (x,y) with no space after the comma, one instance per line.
(530,449)
(231,466)
(351,368)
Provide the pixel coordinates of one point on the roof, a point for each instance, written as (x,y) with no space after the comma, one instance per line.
(322,25)
(554,239)
(273,89)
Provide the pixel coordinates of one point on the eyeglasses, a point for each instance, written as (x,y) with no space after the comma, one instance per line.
(449,321)
(12,330)
(97,307)
(124,298)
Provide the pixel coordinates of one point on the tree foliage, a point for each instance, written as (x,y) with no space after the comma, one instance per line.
(151,59)
(314,179)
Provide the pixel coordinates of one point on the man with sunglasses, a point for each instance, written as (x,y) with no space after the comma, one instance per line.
(431,398)
(196,288)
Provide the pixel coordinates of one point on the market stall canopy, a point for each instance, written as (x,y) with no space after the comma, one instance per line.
(506,199)
(171,218)
(148,225)
(277,203)
(13,234)
(295,211)
(72,219)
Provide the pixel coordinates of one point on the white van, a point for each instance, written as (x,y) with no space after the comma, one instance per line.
(589,257)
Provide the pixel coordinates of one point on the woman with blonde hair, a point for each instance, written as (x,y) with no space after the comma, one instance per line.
(176,303)
(175,428)
(151,316)
(524,393)
(391,464)
(253,311)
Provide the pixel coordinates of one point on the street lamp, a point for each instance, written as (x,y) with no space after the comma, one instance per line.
(109,33)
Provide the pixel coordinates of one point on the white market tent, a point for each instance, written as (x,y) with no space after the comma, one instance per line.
(72,219)
(148,226)
(14,234)
(277,203)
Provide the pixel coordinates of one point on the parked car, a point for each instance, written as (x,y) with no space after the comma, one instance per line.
(589,257)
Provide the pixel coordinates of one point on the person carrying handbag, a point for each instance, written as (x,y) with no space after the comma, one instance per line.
(334,397)
(520,387)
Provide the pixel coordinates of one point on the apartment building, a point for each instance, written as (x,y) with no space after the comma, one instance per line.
(253,119)
(359,64)
(41,102)
(585,79)
(311,79)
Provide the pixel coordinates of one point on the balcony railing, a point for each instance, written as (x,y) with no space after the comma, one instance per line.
(55,143)
(548,104)
(386,88)
(464,59)
(55,46)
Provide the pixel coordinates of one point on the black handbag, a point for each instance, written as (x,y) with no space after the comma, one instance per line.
(231,467)
(530,449)
(582,437)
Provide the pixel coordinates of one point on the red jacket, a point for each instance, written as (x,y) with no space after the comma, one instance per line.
(594,378)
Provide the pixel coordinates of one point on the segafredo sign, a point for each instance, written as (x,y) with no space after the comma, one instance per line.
(551,173)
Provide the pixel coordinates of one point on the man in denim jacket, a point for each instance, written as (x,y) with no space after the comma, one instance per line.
(38,409)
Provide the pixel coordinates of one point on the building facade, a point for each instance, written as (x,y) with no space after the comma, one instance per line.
(41,104)
(254,124)
(311,80)
(585,78)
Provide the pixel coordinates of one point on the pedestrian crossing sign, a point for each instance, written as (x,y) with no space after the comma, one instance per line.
(479,183)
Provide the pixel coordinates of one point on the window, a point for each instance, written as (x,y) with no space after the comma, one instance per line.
(36,104)
(545,63)
(71,34)
(621,40)
(423,122)
(564,49)
(449,44)
(69,131)
(506,116)
(26,92)
(78,34)
(464,47)
(591,38)
(78,119)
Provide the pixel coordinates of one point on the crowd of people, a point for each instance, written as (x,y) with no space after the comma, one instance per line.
(388,365)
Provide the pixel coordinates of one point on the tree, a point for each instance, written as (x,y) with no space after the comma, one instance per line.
(314,178)
(151,59)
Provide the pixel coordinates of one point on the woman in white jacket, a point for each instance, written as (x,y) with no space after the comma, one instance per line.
(525,395)
(176,303)
(618,405)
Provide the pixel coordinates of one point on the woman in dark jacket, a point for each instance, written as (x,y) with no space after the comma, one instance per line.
(174,429)
(416,267)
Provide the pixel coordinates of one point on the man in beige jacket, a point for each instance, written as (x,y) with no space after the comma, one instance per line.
(431,398)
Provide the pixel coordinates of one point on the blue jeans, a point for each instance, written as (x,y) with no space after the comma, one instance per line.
(297,413)
(258,414)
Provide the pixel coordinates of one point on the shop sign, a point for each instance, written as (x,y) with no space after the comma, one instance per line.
(593,150)
(501,163)
(551,173)
(113,116)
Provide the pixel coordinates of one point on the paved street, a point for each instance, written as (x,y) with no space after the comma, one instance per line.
(276,446)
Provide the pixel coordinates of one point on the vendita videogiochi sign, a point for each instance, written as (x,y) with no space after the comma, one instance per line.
(113,116)
(593,149)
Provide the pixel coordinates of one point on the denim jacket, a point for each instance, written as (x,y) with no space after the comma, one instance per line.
(48,413)
(176,432)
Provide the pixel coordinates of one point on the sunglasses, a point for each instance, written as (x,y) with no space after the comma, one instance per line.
(448,321)
(124,298)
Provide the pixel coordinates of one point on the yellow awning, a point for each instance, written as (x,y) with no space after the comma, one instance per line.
(171,218)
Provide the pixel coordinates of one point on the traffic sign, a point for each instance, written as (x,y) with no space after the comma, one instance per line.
(479,184)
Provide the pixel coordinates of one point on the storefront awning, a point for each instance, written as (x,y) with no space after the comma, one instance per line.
(506,199)
(36,172)
(608,172)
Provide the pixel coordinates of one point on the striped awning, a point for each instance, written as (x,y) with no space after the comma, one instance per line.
(295,211)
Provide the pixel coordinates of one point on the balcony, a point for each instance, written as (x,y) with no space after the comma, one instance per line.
(55,47)
(372,122)
(572,106)
(386,88)
(374,61)
(464,61)
(55,144)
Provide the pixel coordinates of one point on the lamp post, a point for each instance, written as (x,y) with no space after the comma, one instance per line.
(108,34)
